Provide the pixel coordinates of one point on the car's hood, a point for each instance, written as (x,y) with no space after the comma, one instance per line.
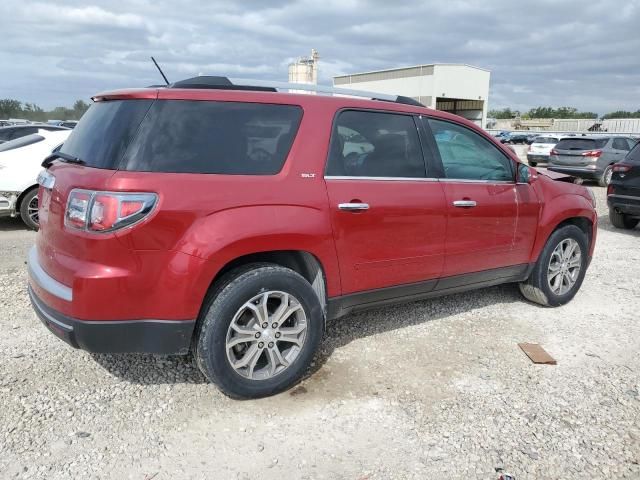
(560,177)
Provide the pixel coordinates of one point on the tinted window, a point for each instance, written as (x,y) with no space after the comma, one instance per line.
(5,133)
(374,144)
(21,132)
(620,144)
(21,142)
(105,131)
(467,155)
(631,142)
(214,137)
(581,143)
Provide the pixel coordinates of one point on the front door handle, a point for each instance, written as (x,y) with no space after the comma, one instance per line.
(464,203)
(353,207)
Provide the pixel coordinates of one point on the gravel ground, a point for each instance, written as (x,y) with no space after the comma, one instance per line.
(434,389)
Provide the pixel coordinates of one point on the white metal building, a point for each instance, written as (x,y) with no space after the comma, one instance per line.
(305,69)
(456,88)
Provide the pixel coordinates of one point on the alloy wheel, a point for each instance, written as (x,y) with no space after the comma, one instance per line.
(266,335)
(564,266)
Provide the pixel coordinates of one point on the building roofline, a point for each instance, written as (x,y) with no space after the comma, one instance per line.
(412,66)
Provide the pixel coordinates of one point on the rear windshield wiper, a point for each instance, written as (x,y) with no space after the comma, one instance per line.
(62,156)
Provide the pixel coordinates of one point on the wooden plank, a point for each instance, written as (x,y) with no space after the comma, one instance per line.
(537,354)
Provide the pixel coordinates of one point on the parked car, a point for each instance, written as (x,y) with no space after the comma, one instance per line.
(589,157)
(515,138)
(164,230)
(623,192)
(20,161)
(540,148)
(17,131)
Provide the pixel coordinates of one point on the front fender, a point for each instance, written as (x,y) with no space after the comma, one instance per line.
(562,208)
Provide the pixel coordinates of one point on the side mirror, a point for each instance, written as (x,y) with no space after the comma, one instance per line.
(526,174)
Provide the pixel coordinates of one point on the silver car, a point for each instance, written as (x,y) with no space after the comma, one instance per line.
(589,157)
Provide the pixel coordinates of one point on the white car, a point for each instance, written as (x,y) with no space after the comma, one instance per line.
(539,150)
(20,164)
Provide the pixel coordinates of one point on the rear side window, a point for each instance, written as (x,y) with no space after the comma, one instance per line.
(620,144)
(375,144)
(581,143)
(105,131)
(21,142)
(184,136)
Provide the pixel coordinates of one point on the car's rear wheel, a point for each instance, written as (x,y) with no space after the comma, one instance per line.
(533,164)
(259,332)
(605,179)
(560,269)
(29,209)
(620,220)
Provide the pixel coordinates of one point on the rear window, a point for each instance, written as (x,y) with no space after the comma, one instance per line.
(546,140)
(21,142)
(184,136)
(581,143)
(105,131)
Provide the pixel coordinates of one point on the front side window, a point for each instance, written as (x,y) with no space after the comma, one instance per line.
(466,155)
(233,138)
(375,144)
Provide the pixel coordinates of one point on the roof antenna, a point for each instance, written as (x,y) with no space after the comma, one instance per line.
(160,70)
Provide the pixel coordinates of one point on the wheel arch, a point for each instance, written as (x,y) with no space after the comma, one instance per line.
(22,195)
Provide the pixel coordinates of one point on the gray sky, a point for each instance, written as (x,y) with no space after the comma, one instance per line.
(575,53)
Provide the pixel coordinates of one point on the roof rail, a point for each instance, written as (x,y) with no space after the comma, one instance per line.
(225,83)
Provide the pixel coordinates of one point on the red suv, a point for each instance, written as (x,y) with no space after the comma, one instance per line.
(233,221)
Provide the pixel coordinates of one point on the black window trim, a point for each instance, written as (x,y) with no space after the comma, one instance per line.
(438,158)
(416,123)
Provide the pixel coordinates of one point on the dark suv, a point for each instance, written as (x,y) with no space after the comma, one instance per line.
(233,221)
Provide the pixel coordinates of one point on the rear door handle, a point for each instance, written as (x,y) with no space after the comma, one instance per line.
(464,203)
(353,207)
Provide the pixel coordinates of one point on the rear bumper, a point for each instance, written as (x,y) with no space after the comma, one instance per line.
(532,157)
(625,204)
(581,172)
(165,337)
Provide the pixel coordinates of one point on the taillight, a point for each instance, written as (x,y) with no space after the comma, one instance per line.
(610,189)
(106,211)
(553,152)
(592,153)
(621,168)
(529,149)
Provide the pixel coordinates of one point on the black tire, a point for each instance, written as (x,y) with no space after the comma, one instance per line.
(620,220)
(536,288)
(533,164)
(29,197)
(605,178)
(227,298)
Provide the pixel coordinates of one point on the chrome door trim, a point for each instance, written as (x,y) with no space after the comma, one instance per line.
(380,179)
(465,180)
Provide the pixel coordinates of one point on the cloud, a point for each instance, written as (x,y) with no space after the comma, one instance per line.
(575,53)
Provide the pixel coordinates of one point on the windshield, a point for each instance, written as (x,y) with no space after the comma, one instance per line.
(21,142)
(105,131)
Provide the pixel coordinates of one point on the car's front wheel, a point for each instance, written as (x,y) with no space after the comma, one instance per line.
(259,331)
(29,209)
(620,220)
(560,269)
